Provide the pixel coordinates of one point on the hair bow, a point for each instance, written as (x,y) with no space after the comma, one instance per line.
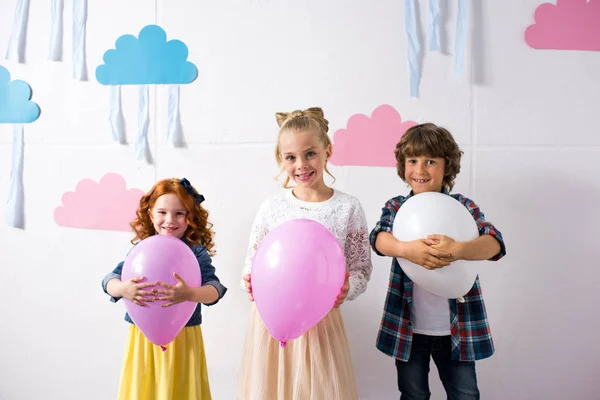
(188,188)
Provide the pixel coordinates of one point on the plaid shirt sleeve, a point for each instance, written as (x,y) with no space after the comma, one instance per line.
(484,227)
(386,222)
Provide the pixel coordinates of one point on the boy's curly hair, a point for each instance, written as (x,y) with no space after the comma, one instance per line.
(199,230)
(429,140)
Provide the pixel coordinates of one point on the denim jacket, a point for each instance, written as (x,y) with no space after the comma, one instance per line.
(207,272)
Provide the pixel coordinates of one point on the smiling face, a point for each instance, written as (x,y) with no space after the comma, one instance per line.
(169,216)
(304,157)
(424,173)
(428,158)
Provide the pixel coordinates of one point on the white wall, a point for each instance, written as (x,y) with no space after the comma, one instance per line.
(525,118)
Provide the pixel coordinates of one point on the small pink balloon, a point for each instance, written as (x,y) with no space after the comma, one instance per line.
(156,259)
(297,273)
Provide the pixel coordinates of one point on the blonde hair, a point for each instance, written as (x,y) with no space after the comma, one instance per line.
(309,120)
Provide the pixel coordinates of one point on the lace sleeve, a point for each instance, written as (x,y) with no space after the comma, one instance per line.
(259,230)
(358,253)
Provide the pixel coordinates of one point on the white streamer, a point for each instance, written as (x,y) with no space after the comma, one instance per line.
(79,22)
(434,25)
(117,121)
(174,133)
(414,48)
(56,31)
(142,150)
(15,205)
(16,43)
(461,36)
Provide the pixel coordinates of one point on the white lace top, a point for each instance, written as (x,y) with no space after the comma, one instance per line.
(342,214)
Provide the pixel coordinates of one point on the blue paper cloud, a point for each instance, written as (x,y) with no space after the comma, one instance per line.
(147,60)
(15,104)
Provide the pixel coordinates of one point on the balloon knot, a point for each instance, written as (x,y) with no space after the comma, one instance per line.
(283,344)
(163,348)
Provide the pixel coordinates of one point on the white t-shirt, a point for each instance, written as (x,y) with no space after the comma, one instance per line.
(431,313)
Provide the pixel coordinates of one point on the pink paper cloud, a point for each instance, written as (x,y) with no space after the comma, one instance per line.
(568,25)
(107,205)
(370,141)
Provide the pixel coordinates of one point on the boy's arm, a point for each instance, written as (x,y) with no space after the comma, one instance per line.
(384,243)
(387,244)
(488,246)
(484,247)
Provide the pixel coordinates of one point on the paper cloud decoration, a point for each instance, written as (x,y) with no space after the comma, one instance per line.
(16,106)
(370,141)
(568,25)
(107,205)
(151,59)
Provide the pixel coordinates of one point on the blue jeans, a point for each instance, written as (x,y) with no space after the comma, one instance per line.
(458,377)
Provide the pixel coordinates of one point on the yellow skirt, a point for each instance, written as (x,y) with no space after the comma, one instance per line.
(179,373)
(315,366)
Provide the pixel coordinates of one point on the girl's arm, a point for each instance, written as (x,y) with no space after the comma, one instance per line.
(115,288)
(111,283)
(358,253)
(131,289)
(212,289)
(207,295)
(259,230)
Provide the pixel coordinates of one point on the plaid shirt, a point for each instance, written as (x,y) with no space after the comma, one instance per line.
(469,327)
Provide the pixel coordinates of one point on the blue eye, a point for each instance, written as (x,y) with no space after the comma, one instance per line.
(290,158)
(310,154)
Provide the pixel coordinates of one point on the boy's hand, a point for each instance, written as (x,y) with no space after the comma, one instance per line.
(248,284)
(343,293)
(445,244)
(134,291)
(421,253)
(174,294)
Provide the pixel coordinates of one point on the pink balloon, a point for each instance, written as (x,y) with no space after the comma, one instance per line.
(297,273)
(156,258)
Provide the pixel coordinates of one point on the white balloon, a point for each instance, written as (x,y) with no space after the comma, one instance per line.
(437,213)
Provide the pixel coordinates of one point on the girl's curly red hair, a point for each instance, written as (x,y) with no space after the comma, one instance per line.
(199,229)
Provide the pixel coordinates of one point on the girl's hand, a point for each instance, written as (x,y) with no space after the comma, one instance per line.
(134,291)
(342,296)
(246,279)
(174,294)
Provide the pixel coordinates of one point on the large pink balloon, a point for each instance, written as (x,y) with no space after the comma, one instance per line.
(156,258)
(297,273)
